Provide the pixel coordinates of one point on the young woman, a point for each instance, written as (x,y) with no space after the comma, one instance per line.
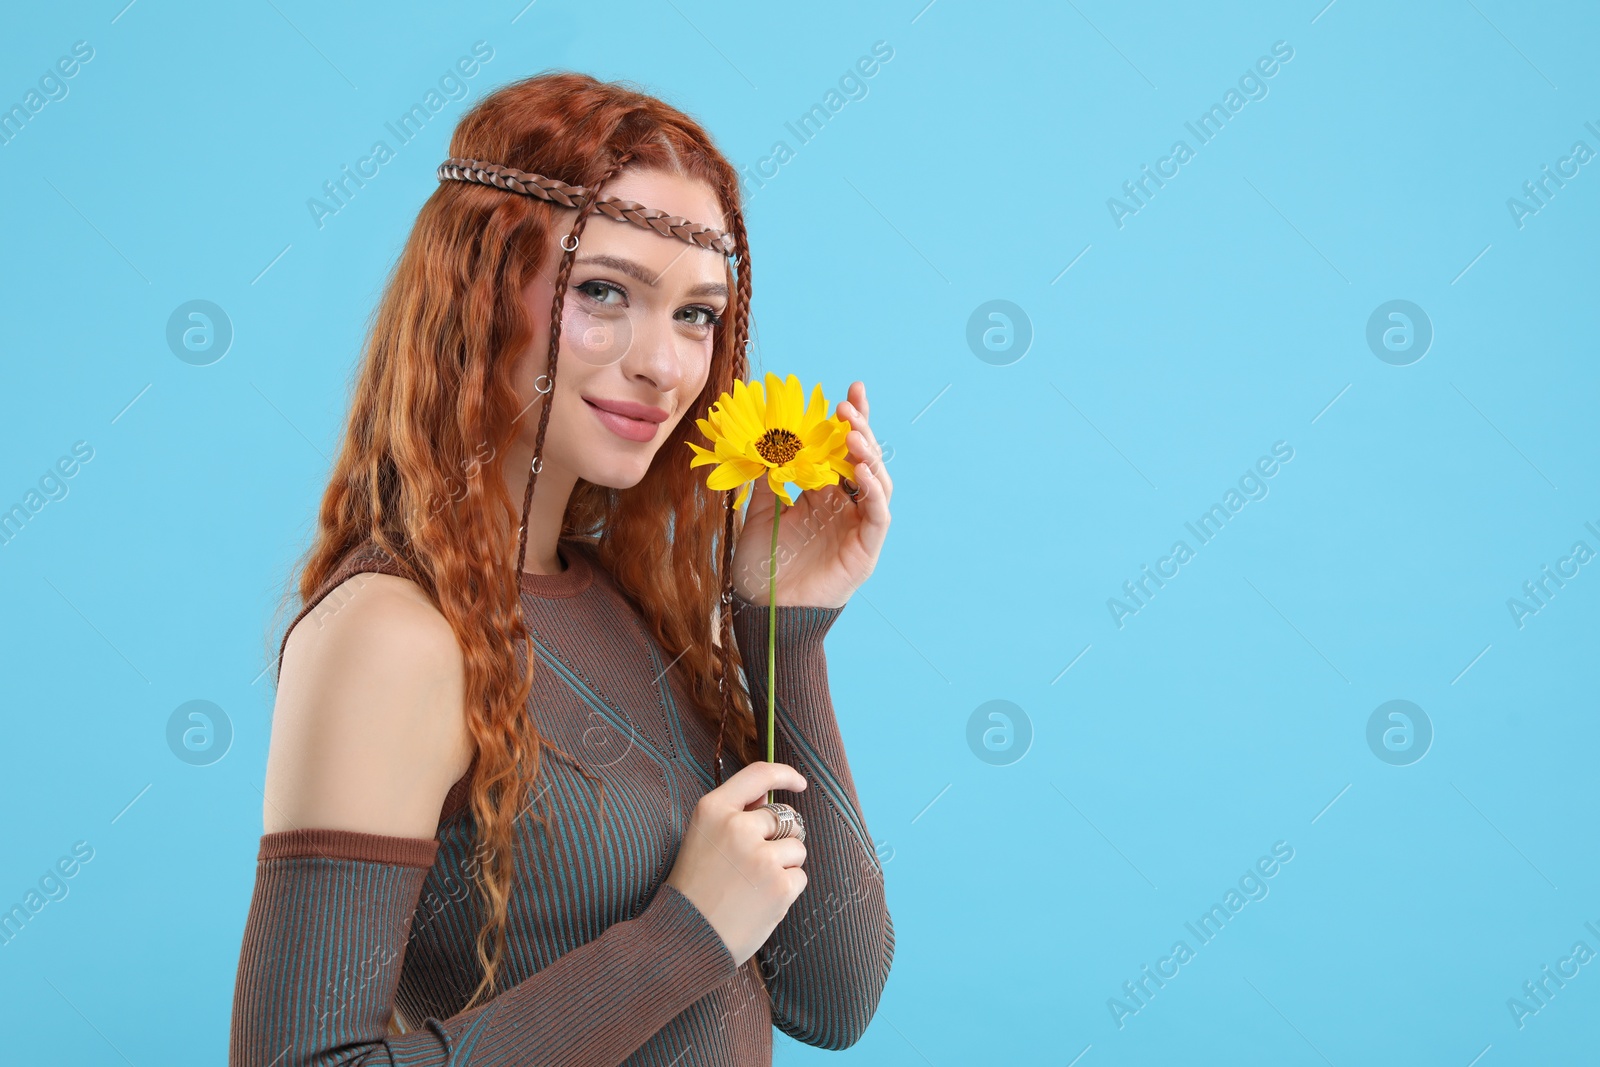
(513,811)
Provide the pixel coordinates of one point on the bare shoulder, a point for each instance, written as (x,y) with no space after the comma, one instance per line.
(368,728)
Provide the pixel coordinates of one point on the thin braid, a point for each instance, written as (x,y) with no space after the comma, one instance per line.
(740,370)
(563,274)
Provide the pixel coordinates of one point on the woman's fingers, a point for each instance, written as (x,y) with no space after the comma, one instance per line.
(872,456)
(857,395)
(761,824)
(874,505)
(863,442)
(788,852)
(762,821)
(751,783)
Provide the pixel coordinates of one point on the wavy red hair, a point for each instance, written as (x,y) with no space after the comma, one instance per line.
(435,388)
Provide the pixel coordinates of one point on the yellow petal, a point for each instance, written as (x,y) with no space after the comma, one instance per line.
(818,436)
(816,411)
(743,416)
(839,443)
(770,403)
(729,448)
(719,424)
(814,476)
(778,410)
(775,482)
(730,474)
(747,394)
(794,398)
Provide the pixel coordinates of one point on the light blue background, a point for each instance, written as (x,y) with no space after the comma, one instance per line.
(1228,314)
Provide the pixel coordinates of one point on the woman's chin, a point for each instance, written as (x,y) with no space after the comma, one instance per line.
(621,474)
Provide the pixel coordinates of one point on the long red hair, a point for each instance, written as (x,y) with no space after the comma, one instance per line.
(434,394)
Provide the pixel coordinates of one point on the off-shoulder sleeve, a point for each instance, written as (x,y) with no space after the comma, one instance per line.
(325,940)
(827,962)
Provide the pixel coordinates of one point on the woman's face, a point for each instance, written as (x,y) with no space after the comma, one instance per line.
(637,325)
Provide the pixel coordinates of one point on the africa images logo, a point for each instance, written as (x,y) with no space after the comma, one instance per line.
(1252,485)
(1252,85)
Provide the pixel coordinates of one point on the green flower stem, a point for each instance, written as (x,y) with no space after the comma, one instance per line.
(772,635)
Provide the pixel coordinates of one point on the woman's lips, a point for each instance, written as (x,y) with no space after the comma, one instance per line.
(638,430)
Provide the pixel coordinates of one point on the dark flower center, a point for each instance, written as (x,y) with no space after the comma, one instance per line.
(779,446)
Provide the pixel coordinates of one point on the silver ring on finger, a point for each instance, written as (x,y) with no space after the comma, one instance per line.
(852,490)
(790,824)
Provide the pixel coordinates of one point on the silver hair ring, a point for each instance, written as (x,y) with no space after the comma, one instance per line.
(573,247)
(538,464)
(548,384)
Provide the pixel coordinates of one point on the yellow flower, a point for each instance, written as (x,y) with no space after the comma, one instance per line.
(770,430)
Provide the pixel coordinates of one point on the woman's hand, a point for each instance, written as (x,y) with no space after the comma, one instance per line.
(739,880)
(827,544)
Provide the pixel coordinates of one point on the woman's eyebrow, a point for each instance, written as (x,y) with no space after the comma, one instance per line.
(639,273)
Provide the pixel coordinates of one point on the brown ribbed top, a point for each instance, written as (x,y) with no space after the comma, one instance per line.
(606,963)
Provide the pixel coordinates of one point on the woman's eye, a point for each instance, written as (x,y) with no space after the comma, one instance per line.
(599,291)
(701,316)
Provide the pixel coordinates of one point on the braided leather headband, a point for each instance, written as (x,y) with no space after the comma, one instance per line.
(559,192)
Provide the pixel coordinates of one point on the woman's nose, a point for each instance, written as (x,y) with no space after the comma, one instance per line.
(655,355)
